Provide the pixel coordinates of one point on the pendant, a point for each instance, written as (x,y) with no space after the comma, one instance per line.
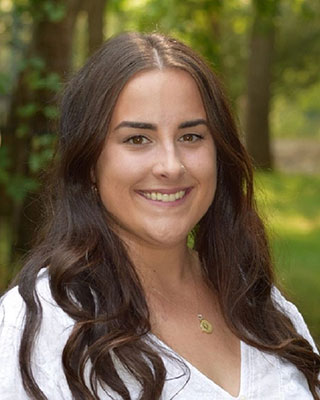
(205,325)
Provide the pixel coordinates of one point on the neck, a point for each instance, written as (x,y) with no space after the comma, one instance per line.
(166,268)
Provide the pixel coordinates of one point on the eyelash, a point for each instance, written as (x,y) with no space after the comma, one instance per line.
(195,137)
(130,140)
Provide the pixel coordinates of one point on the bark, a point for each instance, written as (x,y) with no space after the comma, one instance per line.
(259,90)
(95,10)
(52,42)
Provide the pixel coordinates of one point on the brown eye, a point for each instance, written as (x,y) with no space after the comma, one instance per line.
(190,137)
(137,140)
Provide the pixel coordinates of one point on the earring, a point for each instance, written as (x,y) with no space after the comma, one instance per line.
(94,188)
(182,167)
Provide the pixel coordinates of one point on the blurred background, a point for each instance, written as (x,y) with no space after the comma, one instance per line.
(266,52)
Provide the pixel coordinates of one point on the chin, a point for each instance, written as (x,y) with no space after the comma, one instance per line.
(168,239)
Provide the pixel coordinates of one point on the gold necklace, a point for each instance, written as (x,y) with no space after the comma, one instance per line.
(205,325)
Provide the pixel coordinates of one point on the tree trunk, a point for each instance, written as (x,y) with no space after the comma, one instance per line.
(95,10)
(259,87)
(52,43)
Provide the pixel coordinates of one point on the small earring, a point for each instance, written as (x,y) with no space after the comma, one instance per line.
(94,188)
(182,167)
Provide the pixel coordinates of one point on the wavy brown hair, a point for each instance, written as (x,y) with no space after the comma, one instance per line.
(91,275)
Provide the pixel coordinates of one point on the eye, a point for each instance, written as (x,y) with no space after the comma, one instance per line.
(137,140)
(191,137)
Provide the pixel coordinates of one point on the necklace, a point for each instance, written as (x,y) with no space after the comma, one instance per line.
(204,324)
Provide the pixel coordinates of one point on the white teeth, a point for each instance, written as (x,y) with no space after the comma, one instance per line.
(166,198)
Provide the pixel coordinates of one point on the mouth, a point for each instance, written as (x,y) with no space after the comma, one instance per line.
(165,196)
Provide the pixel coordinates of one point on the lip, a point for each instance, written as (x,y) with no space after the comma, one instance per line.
(166,191)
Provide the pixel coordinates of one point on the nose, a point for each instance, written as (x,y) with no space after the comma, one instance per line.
(168,163)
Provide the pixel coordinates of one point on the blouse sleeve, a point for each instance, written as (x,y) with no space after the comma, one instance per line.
(292,312)
(46,361)
(12,310)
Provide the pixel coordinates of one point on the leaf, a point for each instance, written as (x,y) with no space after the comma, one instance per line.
(55,11)
(18,187)
(51,112)
(28,110)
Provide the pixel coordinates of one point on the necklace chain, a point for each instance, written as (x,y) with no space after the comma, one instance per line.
(205,325)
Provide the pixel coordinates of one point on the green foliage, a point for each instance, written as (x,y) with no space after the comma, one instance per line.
(266,8)
(38,77)
(15,186)
(298,116)
(19,186)
(42,152)
(290,206)
(297,50)
(4,83)
(50,10)
(28,110)
(55,11)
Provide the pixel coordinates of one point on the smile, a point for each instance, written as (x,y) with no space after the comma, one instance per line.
(164,197)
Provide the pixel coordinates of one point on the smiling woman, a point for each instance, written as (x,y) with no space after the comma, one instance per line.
(113,303)
(158,125)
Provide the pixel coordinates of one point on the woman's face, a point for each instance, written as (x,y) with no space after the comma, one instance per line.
(157,172)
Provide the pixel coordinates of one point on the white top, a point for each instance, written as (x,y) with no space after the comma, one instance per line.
(263,376)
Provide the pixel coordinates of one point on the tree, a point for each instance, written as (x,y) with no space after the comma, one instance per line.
(29,134)
(260,63)
(95,11)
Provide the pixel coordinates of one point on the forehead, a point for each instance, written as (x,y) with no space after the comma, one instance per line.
(159,96)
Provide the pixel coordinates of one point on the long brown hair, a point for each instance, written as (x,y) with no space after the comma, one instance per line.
(91,275)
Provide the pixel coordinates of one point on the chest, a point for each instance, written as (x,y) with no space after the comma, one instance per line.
(263,376)
(216,355)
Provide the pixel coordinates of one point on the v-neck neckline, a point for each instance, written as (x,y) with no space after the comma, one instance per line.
(245,370)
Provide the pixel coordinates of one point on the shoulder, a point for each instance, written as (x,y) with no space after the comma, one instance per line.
(289,309)
(54,320)
(12,310)
(54,331)
(13,307)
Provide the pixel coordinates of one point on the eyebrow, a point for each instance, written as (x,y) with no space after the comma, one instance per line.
(136,125)
(146,125)
(192,123)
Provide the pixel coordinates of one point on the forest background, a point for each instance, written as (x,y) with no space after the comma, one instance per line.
(267,53)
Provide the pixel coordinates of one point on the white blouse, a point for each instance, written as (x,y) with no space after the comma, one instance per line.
(263,376)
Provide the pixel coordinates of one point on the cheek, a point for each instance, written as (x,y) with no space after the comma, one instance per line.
(117,175)
(204,164)
(207,172)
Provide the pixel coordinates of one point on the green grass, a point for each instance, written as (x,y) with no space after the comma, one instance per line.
(291,206)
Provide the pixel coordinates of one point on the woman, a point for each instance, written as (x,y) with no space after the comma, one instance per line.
(115,303)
